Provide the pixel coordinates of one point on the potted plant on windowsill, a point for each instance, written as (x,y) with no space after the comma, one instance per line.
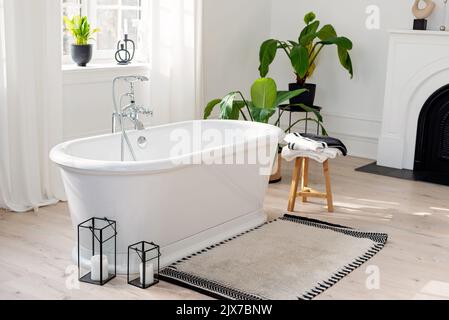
(80,29)
(303,55)
(265,99)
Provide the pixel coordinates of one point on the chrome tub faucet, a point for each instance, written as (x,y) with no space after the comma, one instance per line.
(131,111)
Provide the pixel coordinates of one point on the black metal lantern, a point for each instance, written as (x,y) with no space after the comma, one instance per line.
(143,262)
(97,251)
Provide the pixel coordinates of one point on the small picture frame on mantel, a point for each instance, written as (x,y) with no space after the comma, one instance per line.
(420,24)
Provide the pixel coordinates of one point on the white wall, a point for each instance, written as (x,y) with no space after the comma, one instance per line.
(87,99)
(232,33)
(352,108)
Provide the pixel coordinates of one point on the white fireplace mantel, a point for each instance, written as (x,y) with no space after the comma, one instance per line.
(418,65)
(420,32)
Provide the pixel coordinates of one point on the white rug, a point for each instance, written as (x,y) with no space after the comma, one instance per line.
(285,259)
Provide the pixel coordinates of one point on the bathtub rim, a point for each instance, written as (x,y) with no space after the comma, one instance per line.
(60,157)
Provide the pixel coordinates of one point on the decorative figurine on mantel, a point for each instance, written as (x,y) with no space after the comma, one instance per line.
(421,14)
(124,56)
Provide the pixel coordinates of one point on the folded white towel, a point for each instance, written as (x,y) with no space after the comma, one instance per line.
(321,156)
(297,142)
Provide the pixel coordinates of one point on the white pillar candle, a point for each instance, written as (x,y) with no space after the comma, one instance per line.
(149,274)
(125,26)
(95,268)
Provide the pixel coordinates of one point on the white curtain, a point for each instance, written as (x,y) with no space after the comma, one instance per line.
(31,103)
(176,59)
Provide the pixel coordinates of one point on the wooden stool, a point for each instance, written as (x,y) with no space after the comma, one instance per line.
(301,174)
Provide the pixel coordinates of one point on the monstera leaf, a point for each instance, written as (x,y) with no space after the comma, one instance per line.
(261,115)
(210,107)
(267,55)
(308,18)
(327,32)
(299,58)
(266,99)
(345,60)
(283,96)
(344,45)
(263,105)
(230,108)
(227,107)
(308,34)
(264,93)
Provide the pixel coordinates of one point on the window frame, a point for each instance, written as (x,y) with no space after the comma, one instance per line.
(89,8)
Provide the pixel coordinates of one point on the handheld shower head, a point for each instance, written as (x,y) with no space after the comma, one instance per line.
(144,78)
(133,79)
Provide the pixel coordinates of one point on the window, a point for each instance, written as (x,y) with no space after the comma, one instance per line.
(113,17)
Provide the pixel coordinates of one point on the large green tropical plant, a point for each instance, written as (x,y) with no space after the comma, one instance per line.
(303,52)
(265,100)
(80,29)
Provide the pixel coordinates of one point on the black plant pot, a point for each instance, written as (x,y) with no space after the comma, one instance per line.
(277,175)
(81,54)
(307,98)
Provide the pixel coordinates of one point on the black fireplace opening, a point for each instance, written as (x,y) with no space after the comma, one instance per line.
(432,141)
(432,144)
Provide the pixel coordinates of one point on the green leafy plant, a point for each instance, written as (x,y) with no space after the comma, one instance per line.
(80,29)
(265,100)
(304,52)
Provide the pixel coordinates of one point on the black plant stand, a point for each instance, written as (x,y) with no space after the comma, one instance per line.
(294,109)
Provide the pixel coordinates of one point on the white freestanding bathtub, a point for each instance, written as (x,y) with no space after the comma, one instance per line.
(173,195)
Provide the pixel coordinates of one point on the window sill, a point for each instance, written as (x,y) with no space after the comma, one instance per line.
(101,66)
(100,72)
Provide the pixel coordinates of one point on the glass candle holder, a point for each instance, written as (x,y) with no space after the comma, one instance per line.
(97,251)
(143,264)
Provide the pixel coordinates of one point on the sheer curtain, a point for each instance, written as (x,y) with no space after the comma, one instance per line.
(30,103)
(176,59)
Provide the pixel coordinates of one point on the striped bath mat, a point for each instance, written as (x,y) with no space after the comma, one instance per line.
(285,259)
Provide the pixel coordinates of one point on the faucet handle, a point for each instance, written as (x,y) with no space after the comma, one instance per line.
(145,111)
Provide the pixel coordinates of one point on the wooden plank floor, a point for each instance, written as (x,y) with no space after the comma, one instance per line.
(35,248)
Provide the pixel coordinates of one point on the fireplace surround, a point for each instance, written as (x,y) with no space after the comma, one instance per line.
(416,95)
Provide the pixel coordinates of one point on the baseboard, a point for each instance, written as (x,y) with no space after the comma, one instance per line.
(358,146)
